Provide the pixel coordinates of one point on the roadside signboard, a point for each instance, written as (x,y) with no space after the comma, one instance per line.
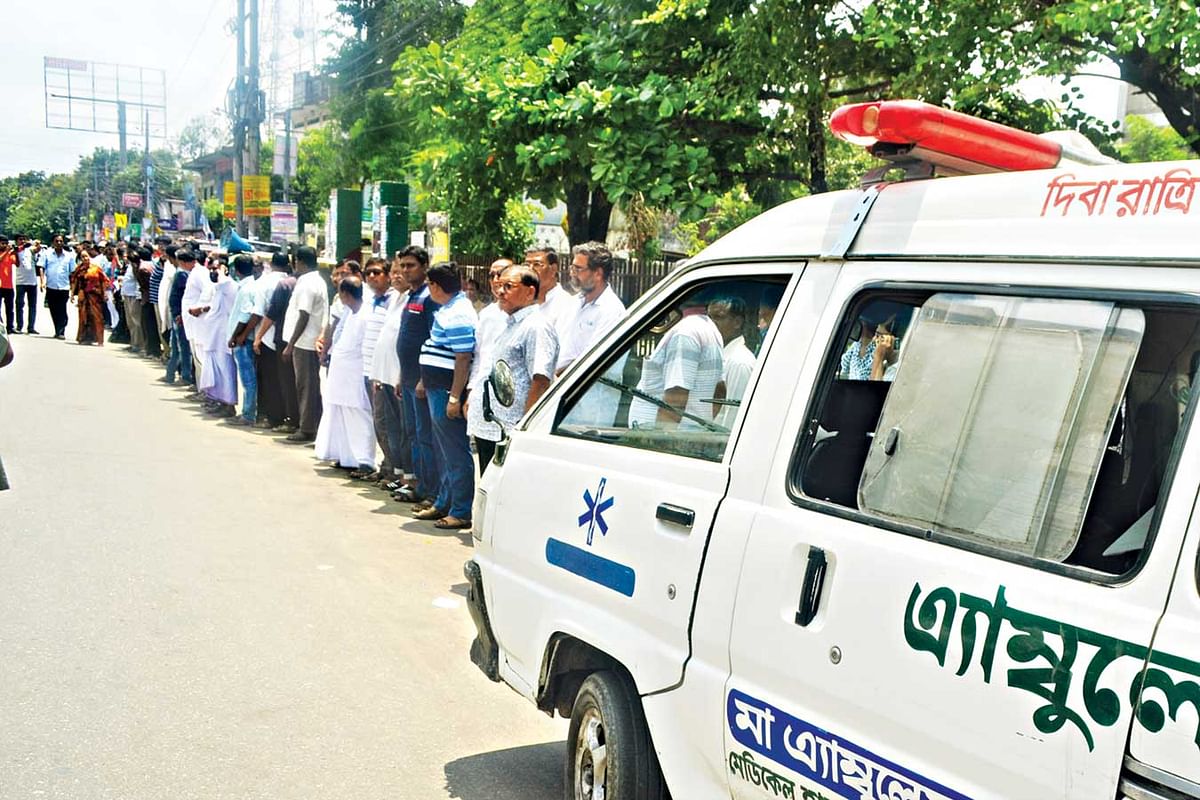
(285,222)
(131,200)
(256,195)
(230,200)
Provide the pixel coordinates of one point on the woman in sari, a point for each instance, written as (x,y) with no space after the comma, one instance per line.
(89,284)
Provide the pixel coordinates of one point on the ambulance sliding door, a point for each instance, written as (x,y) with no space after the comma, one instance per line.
(949,585)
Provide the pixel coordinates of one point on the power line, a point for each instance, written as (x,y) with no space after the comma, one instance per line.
(195,42)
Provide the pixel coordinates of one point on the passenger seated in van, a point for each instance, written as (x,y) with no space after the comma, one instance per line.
(682,372)
(874,356)
(729,315)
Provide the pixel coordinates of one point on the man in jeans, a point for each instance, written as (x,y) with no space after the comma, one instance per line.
(303,323)
(445,368)
(415,323)
(25,278)
(180,362)
(243,351)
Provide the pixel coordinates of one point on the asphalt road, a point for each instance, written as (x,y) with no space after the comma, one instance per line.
(189,610)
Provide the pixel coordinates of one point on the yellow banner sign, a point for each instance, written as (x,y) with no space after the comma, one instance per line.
(256,195)
(229,200)
(121,220)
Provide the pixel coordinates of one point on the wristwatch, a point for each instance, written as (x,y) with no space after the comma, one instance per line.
(453,399)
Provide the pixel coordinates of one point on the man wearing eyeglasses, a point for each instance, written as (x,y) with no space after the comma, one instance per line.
(492,321)
(596,308)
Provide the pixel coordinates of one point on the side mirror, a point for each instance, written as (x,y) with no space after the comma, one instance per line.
(502,383)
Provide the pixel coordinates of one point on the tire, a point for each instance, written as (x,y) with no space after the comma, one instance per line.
(609,753)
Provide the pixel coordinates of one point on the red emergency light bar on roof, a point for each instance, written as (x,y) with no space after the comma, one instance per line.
(959,143)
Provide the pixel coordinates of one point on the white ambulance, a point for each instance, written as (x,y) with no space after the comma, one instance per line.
(886,495)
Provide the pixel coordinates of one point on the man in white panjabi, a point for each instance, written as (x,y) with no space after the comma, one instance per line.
(197,296)
(219,379)
(346,433)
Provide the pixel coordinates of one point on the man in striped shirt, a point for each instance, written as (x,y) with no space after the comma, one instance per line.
(445,368)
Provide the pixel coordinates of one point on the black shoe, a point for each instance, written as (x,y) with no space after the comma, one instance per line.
(239,422)
(60,336)
(299,437)
(264,424)
(32,332)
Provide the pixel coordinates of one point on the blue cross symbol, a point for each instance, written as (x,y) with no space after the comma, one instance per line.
(594,516)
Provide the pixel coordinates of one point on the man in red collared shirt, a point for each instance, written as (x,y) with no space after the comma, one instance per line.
(8,262)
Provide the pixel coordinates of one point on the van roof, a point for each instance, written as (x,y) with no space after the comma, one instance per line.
(1118,212)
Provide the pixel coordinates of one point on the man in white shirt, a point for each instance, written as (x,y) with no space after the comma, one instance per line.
(199,281)
(384,373)
(597,309)
(377,302)
(345,434)
(25,279)
(267,367)
(729,315)
(493,320)
(303,323)
(555,302)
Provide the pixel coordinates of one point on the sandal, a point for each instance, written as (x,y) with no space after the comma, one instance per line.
(362,474)
(452,523)
(406,495)
(433,512)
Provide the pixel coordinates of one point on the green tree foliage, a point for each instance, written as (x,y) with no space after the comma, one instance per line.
(41,205)
(321,165)
(362,74)
(200,136)
(706,109)
(969,53)
(1145,141)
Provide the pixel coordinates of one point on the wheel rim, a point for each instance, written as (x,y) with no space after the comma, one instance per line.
(591,758)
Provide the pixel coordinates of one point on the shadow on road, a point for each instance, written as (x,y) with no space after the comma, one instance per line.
(533,772)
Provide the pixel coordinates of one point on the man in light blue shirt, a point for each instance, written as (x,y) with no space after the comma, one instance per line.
(57,264)
(243,354)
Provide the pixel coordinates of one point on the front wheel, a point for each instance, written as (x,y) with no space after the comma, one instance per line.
(609,753)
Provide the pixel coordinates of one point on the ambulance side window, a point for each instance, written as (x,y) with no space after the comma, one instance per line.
(1032,426)
(677,385)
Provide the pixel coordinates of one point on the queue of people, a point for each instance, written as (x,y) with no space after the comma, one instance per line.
(391,362)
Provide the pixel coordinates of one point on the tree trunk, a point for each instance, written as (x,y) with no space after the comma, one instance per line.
(1180,104)
(577,213)
(599,216)
(588,213)
(818,179)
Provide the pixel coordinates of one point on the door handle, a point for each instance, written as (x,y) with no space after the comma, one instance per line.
(814,581)
(676,514)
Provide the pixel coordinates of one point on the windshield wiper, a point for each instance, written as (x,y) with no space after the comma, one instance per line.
(709,424)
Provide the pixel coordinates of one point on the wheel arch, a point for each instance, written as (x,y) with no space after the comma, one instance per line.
(568,660)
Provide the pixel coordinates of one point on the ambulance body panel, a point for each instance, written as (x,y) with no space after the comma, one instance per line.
(966,568)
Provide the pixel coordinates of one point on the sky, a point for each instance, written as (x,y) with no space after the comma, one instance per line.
(189,39)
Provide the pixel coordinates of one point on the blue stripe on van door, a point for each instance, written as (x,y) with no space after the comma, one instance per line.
(590,566)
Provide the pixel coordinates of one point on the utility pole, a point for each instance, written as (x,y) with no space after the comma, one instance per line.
(121,132)
(254,109)
(239,117)
(147,205)
(287,156)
